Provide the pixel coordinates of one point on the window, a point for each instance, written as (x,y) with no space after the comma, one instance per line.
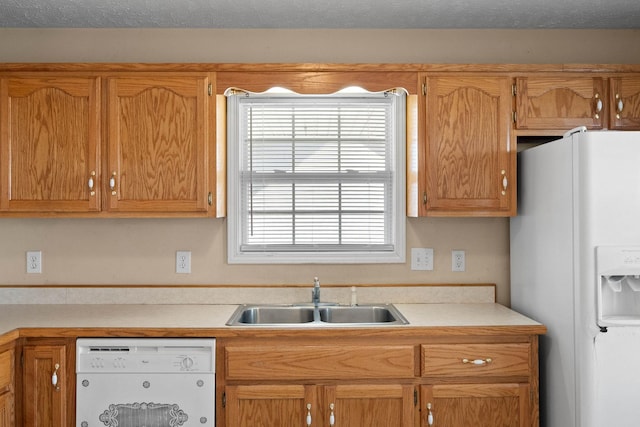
(316,178)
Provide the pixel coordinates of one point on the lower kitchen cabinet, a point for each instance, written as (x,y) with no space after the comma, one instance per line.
(375,405)
(6,410)
(271,405)
(47,383)
(7,388)
(371,405)
(479,384)
(442,381)
(475,405)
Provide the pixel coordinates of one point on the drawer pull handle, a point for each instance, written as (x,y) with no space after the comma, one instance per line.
(429,415)
(91,183)
(112,183)
(505,182)
(477,362)
(54,377)
(619,105)
(332,417)
(597,106)
(308,414)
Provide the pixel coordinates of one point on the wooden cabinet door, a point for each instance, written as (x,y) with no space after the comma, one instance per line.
(6,410)
(49,139)
(624,95)
(380,405)
(562,102)
(158,133)
(475,405)
(45,404)
(470,162)
(271,406)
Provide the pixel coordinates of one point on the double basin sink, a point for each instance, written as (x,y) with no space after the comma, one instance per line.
(314,315)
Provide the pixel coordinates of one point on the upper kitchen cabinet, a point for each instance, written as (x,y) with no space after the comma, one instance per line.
(547,103)
(49,144)
(624,95)
(466,165)
(158,144)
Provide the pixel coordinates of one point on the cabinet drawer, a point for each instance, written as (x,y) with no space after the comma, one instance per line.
(285,362)
(6,363)
(477,360)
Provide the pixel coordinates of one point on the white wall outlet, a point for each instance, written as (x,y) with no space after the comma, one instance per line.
(457,260)
(422,259)
(34,262)
(183,262)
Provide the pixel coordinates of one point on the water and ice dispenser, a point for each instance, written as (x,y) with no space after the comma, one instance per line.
(618,274)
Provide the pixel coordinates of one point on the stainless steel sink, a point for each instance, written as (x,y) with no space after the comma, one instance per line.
(263,315)
(361,314)
(321,315)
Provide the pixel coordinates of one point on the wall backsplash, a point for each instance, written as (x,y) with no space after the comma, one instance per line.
(142,251)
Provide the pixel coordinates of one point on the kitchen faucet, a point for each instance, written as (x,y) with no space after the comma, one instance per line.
(315,292)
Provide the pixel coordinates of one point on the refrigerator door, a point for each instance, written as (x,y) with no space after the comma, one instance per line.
(617,377)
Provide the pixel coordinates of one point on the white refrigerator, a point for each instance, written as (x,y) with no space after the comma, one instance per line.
(575,267)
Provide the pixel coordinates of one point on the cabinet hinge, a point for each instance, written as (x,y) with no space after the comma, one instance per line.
(210,198)
(424,89)
(514,90)
(415,397)
(210,90)
(224,400)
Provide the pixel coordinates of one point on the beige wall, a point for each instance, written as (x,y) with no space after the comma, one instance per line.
(114,251)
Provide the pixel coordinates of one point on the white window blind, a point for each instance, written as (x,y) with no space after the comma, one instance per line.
(316,178)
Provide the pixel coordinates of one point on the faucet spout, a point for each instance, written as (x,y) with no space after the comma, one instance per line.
(315,292)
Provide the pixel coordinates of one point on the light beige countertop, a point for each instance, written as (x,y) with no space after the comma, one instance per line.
(68,320)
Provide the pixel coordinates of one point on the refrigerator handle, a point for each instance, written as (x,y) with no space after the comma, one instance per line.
(579,129)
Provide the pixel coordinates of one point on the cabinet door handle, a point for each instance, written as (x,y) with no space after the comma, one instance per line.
(91,183)
(332,417)
(619,105)
(505,182)
(477,362)
(429,415)
(54,377)
(112,183)
(308,414)
(597,105)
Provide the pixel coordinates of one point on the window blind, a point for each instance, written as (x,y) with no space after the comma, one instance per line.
(317,173)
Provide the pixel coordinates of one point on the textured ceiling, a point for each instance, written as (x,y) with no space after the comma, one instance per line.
(585,14)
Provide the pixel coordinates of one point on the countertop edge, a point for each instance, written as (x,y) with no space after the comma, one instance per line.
(425,320)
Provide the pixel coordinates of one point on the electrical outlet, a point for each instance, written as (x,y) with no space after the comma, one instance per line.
(183,262)
(34,262)
(422,259)
(457,260)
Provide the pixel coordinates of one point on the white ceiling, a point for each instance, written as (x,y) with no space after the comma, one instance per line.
(333,14)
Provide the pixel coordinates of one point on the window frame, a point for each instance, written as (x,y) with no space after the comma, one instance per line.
(397,254)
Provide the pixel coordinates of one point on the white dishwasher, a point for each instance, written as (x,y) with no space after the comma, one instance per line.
(145,382)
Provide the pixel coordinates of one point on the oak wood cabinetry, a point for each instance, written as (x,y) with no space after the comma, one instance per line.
(48,383)
(564,101)
(49,143)
(318,384)
(157,141)
(442,380)
(624,100)
(157,130)
(480,384)
(7,387)
(467,165)
(560,102)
